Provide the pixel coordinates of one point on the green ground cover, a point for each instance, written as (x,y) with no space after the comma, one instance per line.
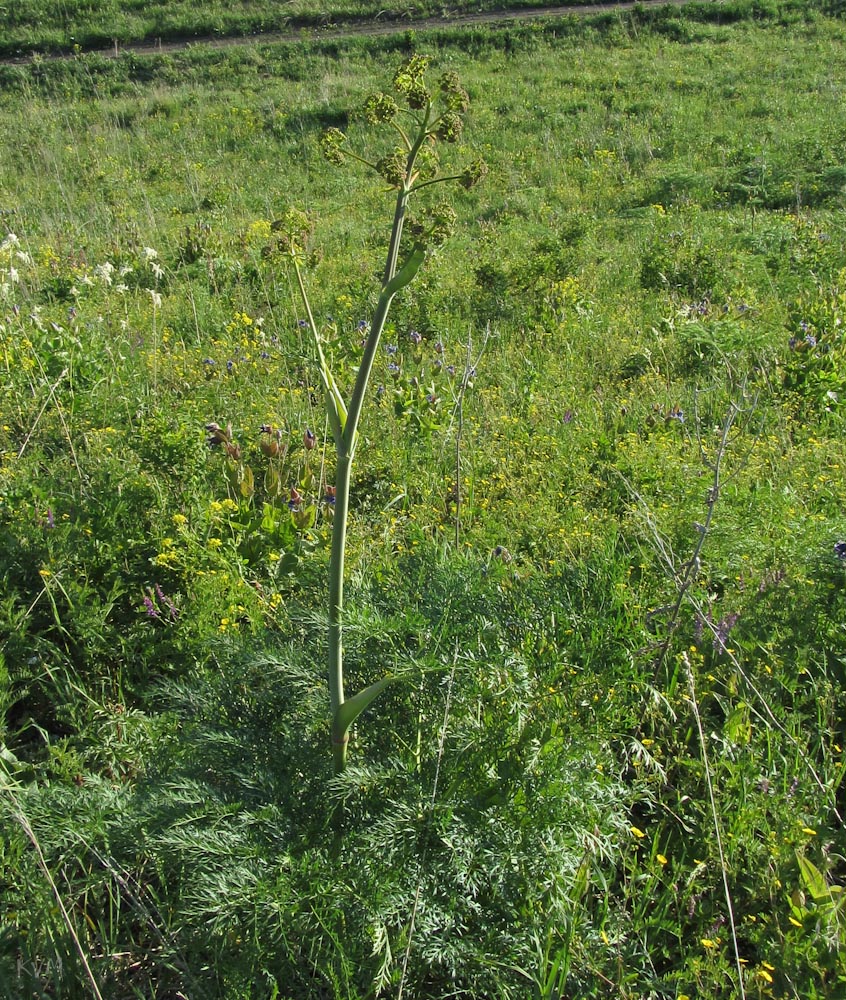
(39,26)
(597,520)
(73,26)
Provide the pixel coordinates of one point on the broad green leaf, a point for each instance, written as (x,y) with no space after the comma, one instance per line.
(407,272)
(353,707)
(813,879)
(247,483)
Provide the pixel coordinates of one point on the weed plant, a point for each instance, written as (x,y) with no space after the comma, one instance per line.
(611,559)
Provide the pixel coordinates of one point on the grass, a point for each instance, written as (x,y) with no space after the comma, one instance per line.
(650,287)
(37,28)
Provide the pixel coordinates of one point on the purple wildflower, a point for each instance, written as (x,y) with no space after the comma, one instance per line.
(723,631)
(167,602)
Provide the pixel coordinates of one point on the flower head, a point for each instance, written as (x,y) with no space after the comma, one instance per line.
(723,631)
(408,81)
(392,167)
(454,95)
(380,108)
(331,145)
(450,126)
(474,173)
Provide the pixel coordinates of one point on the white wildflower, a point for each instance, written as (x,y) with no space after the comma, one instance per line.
(104,272)
(122,289)
(157,269)
(150,253)
(157,299)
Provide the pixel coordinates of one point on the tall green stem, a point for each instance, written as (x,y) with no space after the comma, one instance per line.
(346,444)
(340,738)
(344,420)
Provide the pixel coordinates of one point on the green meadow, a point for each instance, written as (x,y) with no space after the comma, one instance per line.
(596,532)
(41,26)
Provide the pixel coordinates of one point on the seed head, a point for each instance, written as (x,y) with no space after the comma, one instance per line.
(292,232)
(450,126)
(409,82)
(331,145)
(474,173)
(392,167)
(380,108)
(442,224)
(454,95)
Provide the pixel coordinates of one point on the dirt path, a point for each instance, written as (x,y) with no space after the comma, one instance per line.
(369,27)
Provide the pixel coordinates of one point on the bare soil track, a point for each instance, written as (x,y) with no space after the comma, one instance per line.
(372,27)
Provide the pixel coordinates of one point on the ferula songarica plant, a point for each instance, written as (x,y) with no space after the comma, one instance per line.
(420,118)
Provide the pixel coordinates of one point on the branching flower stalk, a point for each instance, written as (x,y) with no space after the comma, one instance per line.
(427,119)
